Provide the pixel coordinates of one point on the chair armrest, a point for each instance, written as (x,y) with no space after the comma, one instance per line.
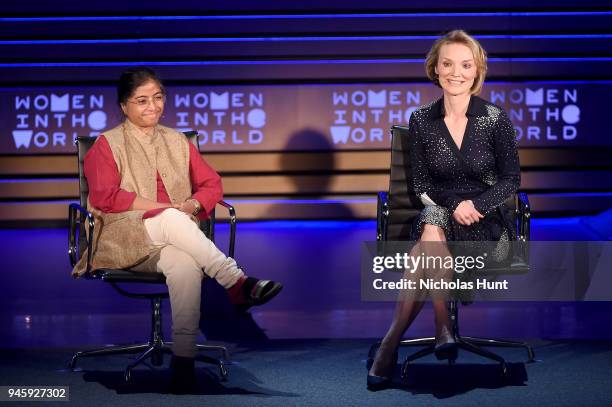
(382,215)
(524,217)
(232,216)
(73,221)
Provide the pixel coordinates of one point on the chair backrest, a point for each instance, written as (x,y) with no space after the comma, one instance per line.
(84,143)
(404,205)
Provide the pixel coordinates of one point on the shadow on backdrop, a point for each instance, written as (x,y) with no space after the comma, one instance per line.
(315,181)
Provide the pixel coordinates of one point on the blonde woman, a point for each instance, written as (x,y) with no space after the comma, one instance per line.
(465,164)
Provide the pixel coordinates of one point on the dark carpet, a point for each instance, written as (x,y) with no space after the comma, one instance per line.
(331,373)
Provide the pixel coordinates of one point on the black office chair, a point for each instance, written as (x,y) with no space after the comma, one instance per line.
(397,209)
(156,346)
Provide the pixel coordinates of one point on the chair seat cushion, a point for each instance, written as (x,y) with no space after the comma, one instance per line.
(516,267)
(128,276)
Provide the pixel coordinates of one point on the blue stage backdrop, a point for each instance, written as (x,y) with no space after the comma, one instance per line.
(293,100)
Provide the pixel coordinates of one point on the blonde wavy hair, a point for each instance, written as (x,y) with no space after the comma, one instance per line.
(458,37)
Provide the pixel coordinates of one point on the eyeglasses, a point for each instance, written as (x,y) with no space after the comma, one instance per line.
(143,101)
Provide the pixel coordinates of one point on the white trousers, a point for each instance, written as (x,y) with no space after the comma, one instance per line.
(186,255)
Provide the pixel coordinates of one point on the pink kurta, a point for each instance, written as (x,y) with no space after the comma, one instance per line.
(104,182)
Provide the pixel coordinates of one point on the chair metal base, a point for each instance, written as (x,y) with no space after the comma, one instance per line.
(467,343)
(154,349)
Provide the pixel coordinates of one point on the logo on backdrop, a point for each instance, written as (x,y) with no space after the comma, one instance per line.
(221,117)
(541,114)
(52,120)
(363,116)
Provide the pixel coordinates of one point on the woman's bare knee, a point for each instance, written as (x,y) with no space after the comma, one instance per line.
(432,233)
(433,241)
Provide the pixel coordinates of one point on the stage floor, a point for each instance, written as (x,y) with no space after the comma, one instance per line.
(330,372)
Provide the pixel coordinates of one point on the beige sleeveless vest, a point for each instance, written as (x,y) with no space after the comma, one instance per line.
(121,240)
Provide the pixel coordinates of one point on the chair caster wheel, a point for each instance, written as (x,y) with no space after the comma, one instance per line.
(404,372)
(505,371)
(223,372)
(157,359)
(72,363)
(127,376)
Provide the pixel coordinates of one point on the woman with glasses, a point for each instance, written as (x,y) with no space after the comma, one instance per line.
(148,186)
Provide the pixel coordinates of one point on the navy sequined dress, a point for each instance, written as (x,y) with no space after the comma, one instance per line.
(485,169)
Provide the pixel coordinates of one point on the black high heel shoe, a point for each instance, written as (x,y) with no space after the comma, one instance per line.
(446,351)
(376,383)
(446,346)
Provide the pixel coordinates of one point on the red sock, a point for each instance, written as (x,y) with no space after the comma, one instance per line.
(235,293)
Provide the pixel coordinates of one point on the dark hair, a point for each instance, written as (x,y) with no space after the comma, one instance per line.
(132,79)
